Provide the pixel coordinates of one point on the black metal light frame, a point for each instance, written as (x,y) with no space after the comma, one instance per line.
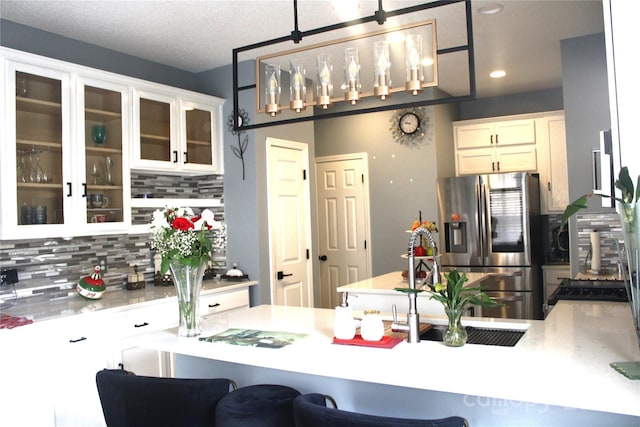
(380,16)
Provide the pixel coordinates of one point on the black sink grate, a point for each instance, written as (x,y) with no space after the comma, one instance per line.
(484,336)
(501,337)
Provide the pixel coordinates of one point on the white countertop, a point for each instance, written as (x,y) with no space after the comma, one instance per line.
(42,308)
(563,360)
(386,283)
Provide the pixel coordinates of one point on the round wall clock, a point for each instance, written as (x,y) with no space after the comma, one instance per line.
(409,125)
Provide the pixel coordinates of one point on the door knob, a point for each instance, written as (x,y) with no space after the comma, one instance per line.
(281,275)
(322,257)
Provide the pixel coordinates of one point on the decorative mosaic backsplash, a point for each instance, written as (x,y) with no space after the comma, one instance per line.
(53,266)
(610,232)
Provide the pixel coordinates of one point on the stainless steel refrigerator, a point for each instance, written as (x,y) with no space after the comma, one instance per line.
(490,223)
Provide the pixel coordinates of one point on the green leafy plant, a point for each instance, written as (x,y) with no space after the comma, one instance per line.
(454,295)
(630,195)
(179,235)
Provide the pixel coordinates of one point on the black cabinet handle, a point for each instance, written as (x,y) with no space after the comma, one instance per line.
(186,158)
(217,304)
(140,325)
(78,340)
(175,156)
(69,194)
(84,187)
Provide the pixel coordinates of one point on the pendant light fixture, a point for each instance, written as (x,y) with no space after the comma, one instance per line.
(370,60)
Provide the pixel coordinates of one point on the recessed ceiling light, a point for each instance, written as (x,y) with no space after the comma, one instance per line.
(497,74)
(490,9)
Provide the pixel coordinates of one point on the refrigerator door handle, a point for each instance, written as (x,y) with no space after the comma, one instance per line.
(509,299)
(484,229)
(514,274)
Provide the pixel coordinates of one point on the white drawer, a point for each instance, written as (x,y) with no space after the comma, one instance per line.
(215,303)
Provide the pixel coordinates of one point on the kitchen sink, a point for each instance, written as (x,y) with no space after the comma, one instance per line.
(484,336)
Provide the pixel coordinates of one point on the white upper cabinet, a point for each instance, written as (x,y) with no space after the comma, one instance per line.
(70,136)
(492,145)
(56,181)
(177,134)
(554,179)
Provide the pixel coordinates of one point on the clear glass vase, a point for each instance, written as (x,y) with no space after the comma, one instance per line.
(188,283)
(455,335)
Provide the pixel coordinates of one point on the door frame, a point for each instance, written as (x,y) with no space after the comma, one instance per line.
(364,157)
(304,148)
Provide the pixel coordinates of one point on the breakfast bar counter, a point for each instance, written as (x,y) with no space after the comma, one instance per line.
(557,374)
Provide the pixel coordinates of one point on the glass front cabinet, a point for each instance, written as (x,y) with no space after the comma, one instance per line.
(177,134)
(51,167)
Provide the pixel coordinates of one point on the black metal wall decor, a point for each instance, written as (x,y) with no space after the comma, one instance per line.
(242,118)
(335,88)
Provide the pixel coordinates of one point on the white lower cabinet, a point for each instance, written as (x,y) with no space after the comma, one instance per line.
(48,376)
(552,275)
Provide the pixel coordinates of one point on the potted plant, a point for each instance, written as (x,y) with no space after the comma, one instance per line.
(456,298)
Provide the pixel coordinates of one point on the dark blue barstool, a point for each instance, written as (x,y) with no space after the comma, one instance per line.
(310,410)
(262,405)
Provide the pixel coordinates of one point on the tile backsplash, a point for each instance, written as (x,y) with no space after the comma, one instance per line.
(608,224)
(54,266)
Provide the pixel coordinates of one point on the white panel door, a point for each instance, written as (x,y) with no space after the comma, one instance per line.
(289,227)
(343,224)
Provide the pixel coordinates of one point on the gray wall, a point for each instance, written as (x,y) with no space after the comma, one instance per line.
(402,179)
(520,103)
(586,99)
(28,39)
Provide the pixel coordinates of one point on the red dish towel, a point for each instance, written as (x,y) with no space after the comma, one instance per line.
(385,342)
(10,322)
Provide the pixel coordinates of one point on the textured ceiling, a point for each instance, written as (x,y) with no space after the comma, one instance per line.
(200,35)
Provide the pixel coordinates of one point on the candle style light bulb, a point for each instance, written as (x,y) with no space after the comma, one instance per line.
(413,52)
(352,75)
(382,71)
(272,91)
(298,88)
(324,86)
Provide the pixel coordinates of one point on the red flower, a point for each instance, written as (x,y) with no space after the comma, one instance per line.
(182,224)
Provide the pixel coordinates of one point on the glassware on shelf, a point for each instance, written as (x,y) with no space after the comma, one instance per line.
(38,173)
(99,134)
(23,171)
(96,174)
(109,170)
(22,86)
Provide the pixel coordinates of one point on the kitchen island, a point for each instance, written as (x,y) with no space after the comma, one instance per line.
(377,293)
(557,374)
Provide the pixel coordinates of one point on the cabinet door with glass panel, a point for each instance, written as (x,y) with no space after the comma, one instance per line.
(179,134)
(103,133)
(200,136)
(155,145)
(36,168)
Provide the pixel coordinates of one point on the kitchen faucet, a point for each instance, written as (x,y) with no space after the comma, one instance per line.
(412,327)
